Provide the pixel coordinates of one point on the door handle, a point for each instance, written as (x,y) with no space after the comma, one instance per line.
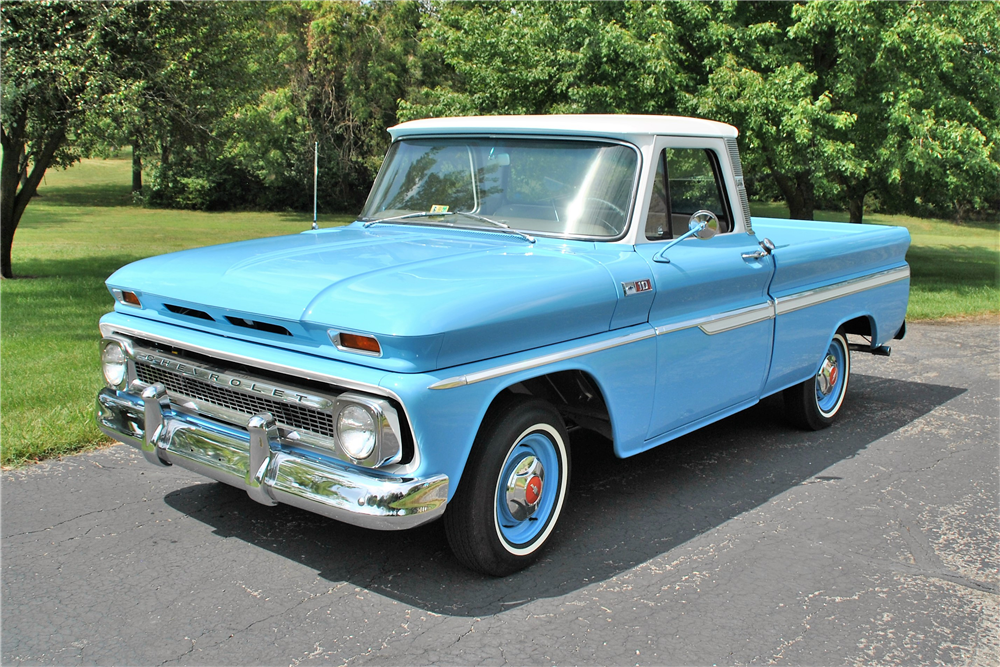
(766,246)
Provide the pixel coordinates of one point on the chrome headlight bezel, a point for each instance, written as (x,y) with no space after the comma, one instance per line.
(387,447)
(356,431)
(115,369)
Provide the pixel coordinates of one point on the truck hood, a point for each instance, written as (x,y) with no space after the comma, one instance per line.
(433,297)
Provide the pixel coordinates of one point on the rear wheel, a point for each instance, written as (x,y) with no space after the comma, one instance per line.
(512,490)
(814,404)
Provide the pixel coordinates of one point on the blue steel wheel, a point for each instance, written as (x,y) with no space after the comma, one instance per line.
(831,380)
(530,489)
(814,404)
(513,487)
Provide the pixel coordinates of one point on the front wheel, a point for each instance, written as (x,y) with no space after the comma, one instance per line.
(512,490)
(814,404)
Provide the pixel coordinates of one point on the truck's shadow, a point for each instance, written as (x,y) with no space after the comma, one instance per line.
(619,513)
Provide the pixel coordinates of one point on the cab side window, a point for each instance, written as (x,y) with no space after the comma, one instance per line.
(694,183)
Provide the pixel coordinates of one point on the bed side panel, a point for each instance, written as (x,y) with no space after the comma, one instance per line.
(820,283)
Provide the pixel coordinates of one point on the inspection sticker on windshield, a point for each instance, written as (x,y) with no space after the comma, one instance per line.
(438,208)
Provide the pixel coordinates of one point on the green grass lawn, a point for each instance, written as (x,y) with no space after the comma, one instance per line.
(83,227)
(955,268)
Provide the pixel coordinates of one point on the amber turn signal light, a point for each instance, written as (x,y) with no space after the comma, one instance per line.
(131,299)
(361,343)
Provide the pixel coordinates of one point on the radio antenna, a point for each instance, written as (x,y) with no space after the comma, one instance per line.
(315,180)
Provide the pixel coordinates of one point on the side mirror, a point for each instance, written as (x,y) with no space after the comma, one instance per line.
(704,224)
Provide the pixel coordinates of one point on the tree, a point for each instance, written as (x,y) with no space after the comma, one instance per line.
(81,76)
(335,72)
(839,100)
(54,69)
(941,149)
(772,89)
(360,62)
(567,57)
(188,69)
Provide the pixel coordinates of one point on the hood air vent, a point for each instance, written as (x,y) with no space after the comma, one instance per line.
(190,312)
(259,326)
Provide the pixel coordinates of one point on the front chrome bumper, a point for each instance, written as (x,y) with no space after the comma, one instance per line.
(253,459)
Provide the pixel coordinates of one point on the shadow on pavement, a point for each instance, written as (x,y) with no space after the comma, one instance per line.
(619,513)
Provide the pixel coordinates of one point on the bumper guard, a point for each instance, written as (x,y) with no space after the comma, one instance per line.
(254,460)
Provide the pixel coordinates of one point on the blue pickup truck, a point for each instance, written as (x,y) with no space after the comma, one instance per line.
(510,281)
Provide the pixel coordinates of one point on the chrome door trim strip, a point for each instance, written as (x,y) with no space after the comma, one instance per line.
(527,364)
(726,321)
(800,300)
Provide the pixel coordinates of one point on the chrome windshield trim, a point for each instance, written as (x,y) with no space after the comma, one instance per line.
(501,134)
(527,364)
(800,300)
(725,321)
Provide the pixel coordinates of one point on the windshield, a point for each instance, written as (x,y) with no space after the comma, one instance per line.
(564,188)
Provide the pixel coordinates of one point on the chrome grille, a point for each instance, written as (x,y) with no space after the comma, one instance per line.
(286,414)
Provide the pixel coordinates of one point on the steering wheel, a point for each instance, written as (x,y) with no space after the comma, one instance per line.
(604,223)
(606,203)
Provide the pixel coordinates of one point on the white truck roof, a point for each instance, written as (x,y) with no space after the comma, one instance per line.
(612,126)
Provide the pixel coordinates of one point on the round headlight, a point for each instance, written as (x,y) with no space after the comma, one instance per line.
(113,363)
(356,429)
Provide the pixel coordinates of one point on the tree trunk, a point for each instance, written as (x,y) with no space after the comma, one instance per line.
(856,209)
(10,176)
(13,201)
(136,167)
(856,191)
(23,168)
(798,193)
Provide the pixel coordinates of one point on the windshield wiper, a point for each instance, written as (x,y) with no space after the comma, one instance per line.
(428,214)
(419,214)
(504,225)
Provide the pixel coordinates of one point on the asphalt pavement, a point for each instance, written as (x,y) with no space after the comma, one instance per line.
(748,542)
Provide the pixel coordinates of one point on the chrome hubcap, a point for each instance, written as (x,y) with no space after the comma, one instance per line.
(524,488)
(826,379)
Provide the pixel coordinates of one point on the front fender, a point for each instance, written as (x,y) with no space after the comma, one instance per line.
(446,419)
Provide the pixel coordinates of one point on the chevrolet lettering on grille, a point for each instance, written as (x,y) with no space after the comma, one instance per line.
(221,379)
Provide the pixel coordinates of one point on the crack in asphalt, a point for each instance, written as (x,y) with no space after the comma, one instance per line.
(187,652)
(234,633)
(927,562)
(56,525)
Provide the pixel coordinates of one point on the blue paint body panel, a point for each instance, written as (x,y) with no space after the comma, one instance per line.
(699,374)
(815,255)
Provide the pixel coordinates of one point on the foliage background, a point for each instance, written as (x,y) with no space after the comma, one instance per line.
(854,106)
